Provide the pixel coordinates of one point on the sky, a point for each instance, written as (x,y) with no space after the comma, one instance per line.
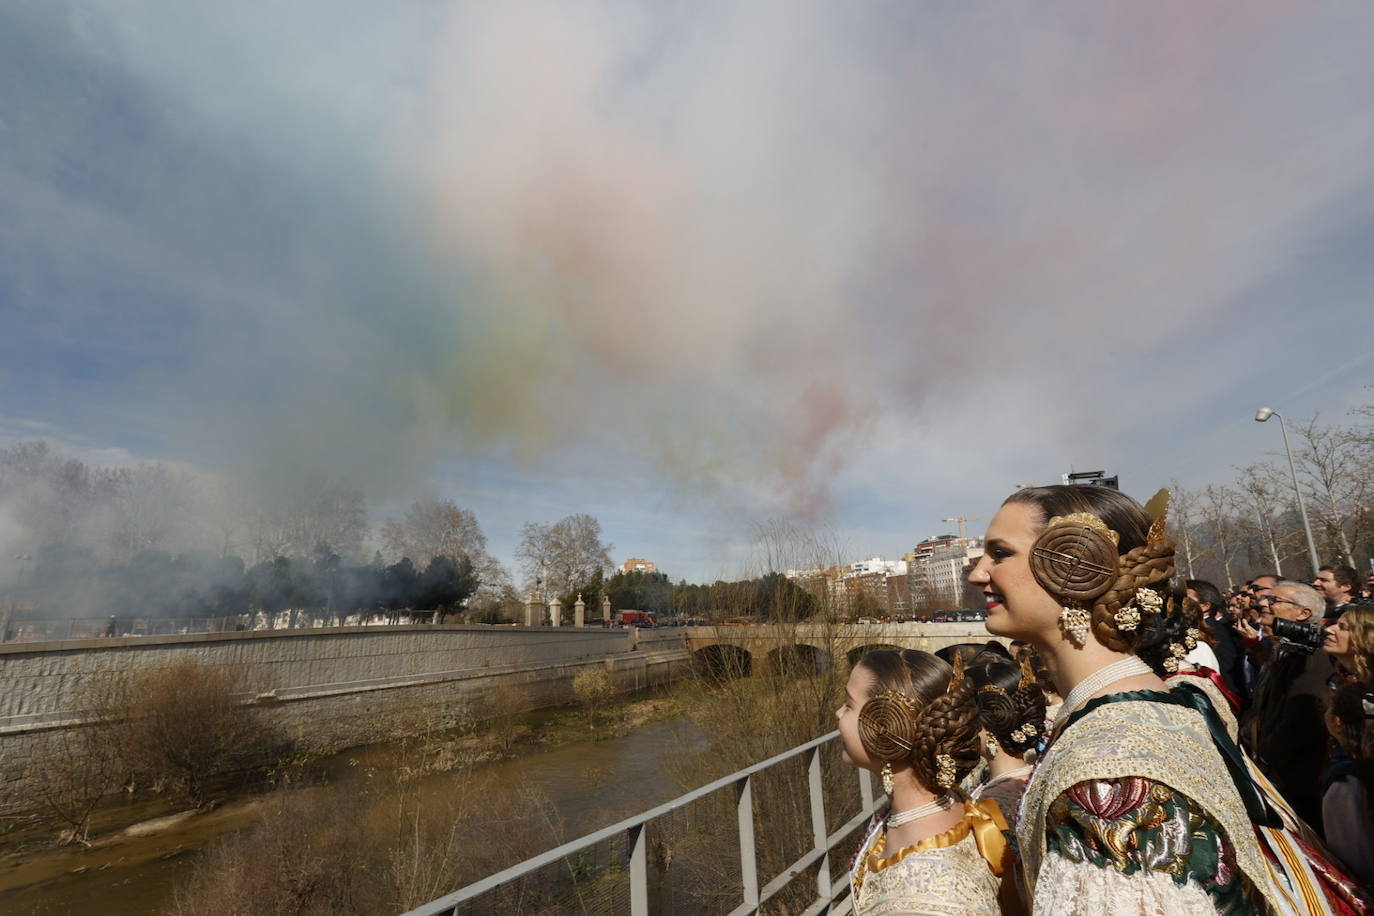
(689,267)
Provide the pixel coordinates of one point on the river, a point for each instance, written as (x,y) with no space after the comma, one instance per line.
(137,874)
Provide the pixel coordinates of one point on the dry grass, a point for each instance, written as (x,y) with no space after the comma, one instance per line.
(383,850)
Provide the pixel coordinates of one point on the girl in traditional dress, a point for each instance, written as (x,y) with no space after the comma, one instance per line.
(1140,801)
(910,717)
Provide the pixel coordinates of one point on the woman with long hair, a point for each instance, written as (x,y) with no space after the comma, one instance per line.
(1140,801)
(1350,643)
(910,717)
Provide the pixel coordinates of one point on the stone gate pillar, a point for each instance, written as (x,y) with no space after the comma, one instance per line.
(605,610)
(555,613)
(579,613)
(533,612)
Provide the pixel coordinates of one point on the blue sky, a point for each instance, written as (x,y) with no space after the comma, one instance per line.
(686,267)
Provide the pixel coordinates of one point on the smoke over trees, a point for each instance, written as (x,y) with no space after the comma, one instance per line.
(153,541)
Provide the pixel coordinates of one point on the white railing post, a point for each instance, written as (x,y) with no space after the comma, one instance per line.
(639,872)
(748,855)
(818,831)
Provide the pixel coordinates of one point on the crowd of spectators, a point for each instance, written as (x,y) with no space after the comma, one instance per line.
(1296,659)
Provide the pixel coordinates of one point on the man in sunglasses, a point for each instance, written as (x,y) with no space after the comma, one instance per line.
(1284,730)
(1249,624)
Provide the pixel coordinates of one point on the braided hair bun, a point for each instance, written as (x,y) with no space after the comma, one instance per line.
(1011,705)
(919,710)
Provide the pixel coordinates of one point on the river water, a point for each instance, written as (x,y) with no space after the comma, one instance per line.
(138,874)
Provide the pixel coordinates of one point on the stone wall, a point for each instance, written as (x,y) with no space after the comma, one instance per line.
(328,689)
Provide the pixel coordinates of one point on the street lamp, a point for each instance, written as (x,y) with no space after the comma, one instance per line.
(1264,413)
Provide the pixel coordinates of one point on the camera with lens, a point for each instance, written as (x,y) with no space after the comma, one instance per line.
(1300,635)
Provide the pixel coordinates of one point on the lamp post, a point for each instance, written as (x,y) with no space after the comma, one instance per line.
(1264,413)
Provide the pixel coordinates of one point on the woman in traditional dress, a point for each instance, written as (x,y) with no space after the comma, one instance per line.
(910,717)
(1011,710)
(1140,801)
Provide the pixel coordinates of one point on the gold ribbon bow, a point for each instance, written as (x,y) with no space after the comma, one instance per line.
(987,823)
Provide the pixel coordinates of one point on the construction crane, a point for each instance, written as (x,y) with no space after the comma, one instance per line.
(963,521)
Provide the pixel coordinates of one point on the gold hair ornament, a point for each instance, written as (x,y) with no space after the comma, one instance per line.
(1145,599)
(1158,511)
(956,676)
(945,770)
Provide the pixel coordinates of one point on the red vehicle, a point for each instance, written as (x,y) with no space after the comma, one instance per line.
(635,619)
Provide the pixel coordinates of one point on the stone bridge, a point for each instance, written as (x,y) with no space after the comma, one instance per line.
(808,647)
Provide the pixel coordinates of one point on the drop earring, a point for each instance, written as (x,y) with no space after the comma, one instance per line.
(1074,621)
(887,779)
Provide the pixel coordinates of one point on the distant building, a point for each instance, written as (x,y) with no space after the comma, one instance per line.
(866,588)
(866,595)
(938,568)
(899,594)
(875,565)
(635,564)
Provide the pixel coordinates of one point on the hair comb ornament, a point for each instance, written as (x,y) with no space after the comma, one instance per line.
(887,725)
(1158,511)
(1075,558)
(956,676)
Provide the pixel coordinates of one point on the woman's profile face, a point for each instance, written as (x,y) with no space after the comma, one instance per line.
(1017,606)
(856,692)
(1338,638)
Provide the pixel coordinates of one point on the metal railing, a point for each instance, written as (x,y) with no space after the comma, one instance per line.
(831,895)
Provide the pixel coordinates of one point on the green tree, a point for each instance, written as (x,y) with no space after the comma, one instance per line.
(445,584)
(644,591)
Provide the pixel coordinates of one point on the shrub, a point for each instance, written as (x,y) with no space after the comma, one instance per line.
(82,766)
(184,723)
(593,690)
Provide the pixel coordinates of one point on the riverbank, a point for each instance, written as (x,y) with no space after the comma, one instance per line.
(141,847)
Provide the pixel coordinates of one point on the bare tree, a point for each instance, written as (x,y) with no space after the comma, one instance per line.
(1215,507)
(1328,459)
(293,519)
(563,555)
(1181,510)
(1260,486)
(149,507)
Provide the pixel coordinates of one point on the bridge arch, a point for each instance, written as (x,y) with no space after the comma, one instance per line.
(798,658)
(722,660)
(859,652)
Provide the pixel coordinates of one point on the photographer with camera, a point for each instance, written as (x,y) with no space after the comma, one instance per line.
(1284,729)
